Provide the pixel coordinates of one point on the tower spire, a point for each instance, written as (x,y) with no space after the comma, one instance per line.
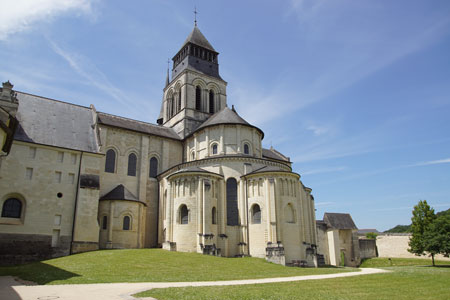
(195,15)
(167,77)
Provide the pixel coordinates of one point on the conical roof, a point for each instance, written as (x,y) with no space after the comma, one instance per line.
(226,116)
(196,37)
(121,193)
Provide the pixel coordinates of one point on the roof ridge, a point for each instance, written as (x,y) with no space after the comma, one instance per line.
(143,122)
(51,99)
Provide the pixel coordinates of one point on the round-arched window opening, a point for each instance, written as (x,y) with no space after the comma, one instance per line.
(256,214)
(184,214)
(246,149)
(214,149)
(12,208)
(59,195)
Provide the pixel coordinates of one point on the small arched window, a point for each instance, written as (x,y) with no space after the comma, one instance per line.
(12,208)
(211,101)
(214,149)
(193,155)
(184,214)
(132,161)
(105,222)
(214,215)
(126,223)
(110,161)
(256,214)
(179,100)
(198,98)
(153,167)
(246,149)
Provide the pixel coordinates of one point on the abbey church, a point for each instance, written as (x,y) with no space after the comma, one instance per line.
(75,179)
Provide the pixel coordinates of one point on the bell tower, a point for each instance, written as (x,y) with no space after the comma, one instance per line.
(196,90)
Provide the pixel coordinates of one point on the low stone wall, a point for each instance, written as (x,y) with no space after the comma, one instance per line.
(367,248)
(396,245)
(23,248)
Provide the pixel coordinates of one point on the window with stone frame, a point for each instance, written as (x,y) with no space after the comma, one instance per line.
(126,223)
(110,161)
(12,208)
(214,215)
(132,163)
(198,98)
(211,102)
(214,148)
(256,214)
(246,149)
(184,214)
(105,222)
(153,167)
(232,204)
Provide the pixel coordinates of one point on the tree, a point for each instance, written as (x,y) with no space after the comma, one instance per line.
(371,235)
(437,237)
(423,216)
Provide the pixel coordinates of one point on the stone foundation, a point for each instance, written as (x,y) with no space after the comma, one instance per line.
(275,253)
(78,247)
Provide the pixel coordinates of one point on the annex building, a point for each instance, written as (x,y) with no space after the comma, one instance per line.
(198,180)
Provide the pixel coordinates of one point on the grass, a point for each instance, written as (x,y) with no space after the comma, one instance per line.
(404,282)
(381,262)
(151,265)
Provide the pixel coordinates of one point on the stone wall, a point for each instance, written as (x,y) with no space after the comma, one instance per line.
(396,245)
(367,248)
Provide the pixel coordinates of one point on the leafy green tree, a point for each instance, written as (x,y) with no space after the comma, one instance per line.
(437,237)
(423,216)
(371,235)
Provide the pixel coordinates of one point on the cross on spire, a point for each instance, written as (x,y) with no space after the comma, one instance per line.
(195,15)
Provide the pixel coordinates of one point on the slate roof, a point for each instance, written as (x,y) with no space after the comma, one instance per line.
(274,154)
(121,193)
(196,37)
(143,127)
(267,169)
(226,116)
(339,221)
(192,169)
(54,123)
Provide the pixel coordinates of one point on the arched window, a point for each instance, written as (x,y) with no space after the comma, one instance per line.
(184,214)
(153,167)
(132,161)
(105,222)
(232,205)
(289,213)
(126,223)
(110,161)
(12,208)
(214,216)
(174,108)
(179,100)
(246,149)
(198,98)
(256,214)
(214,149)
(193,155)
(211,101)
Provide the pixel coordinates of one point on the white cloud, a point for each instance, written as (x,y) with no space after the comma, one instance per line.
(323,170)
(432,162)
(21,15)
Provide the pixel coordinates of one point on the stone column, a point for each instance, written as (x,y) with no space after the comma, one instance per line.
(199,215)
(109,243)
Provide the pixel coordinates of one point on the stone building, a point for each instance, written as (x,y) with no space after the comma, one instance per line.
(199,180)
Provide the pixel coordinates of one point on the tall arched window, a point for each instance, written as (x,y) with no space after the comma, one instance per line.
(179,100)
(214,216)
(153,167)
(110,161)
(174,108)
(214,149)
(198,98)
(12,208)
(211,101)
(105,222)
(126,223)
(256,214)
(132,162)
(184,214)
(246,149)
(289,213)
(232,205)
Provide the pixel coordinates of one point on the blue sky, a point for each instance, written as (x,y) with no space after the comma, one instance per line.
(357,93)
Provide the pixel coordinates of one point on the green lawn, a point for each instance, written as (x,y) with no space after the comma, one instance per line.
(141,265)
(405,282)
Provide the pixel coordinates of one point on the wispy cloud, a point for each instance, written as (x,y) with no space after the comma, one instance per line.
(21,15)
(320,204)
(323,170)
(86,69)
(432,162)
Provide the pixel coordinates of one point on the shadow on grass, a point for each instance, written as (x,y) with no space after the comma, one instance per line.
(40,273)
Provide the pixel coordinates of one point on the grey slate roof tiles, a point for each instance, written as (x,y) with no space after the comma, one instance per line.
(274,154)
(54,123)
(339,221)
(138,126)
(196,37)
(120,193)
